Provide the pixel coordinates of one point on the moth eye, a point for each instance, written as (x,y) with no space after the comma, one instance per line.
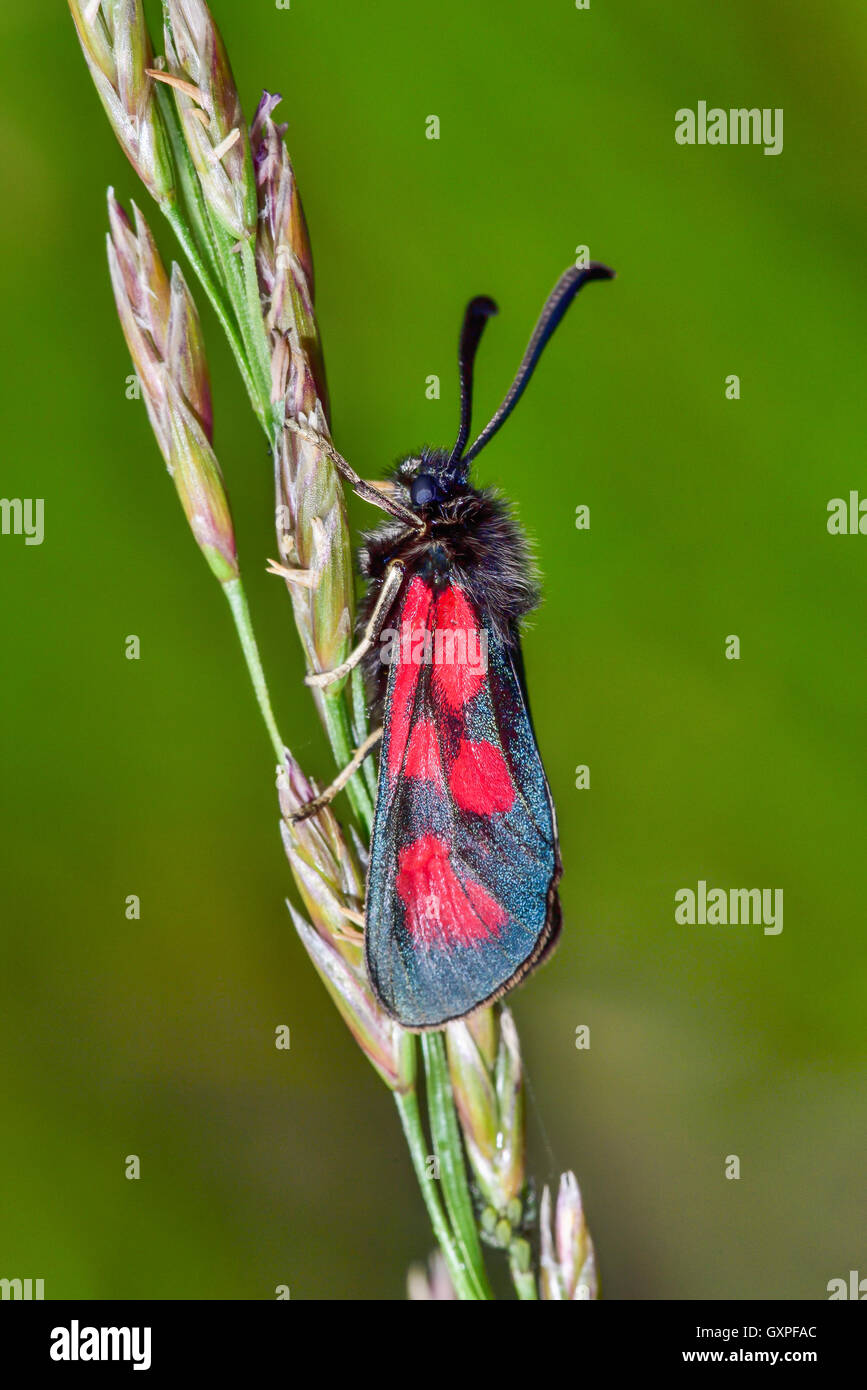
(423,490)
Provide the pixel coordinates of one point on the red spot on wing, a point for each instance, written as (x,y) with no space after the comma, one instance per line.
(441,909)
(423,753)
(459,665)
(479,779)
(413,621)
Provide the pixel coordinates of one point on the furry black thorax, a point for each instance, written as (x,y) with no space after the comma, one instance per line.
(470,539)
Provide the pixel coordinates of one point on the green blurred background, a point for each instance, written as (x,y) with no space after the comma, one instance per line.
(262,1167)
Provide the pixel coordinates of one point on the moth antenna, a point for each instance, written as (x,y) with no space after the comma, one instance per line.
(477,313)
(556,304)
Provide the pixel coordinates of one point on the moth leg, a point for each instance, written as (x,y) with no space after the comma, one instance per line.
(378,496)
(310,808)
(387,594)
(307,579)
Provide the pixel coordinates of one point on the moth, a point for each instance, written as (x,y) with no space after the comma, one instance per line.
(461,898)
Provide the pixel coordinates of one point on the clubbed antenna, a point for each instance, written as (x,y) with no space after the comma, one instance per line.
(556,305)
(478,311)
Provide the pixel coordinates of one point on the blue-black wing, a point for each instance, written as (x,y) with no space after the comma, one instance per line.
(461,892)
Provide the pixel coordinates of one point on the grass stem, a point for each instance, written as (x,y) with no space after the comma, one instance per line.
(237,599)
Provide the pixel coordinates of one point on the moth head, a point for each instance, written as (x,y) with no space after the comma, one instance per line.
(427,478)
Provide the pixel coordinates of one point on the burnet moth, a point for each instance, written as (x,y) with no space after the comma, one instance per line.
(464,858)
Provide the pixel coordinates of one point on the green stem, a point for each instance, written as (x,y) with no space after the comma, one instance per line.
(410,1118)
(449,1151)
(234,591)
(337,726)
(237,270)
(198,240)
(191,189)
(360,730)
(253,326)
(176,220)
